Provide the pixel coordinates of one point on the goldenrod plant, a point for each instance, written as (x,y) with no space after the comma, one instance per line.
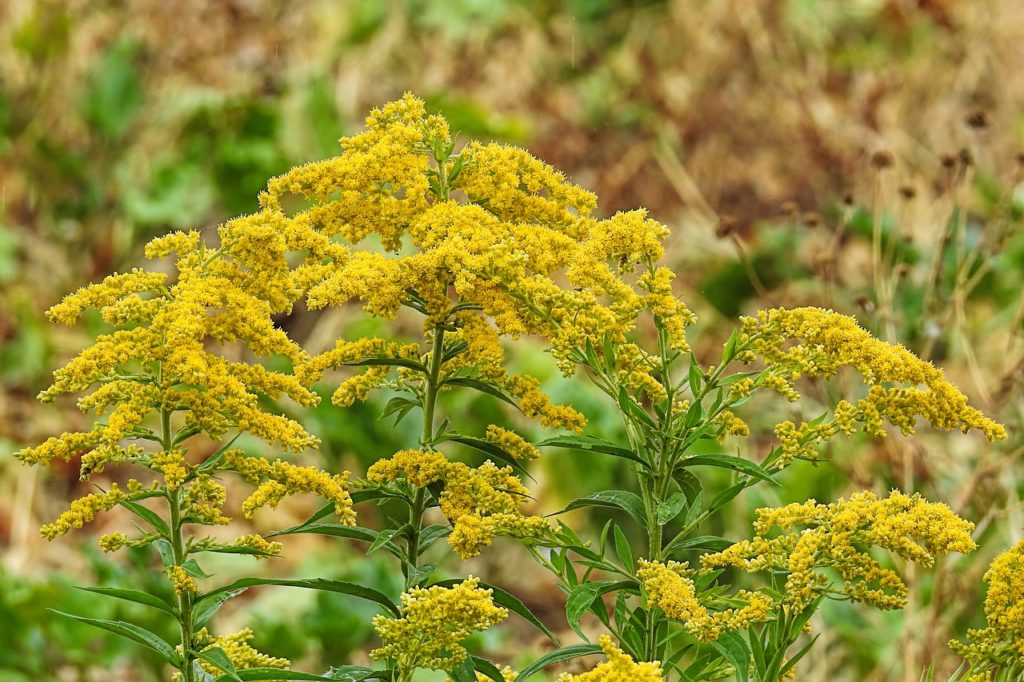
(158,386)
(481,245)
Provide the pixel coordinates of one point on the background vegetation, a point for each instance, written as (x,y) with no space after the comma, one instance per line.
(778,138)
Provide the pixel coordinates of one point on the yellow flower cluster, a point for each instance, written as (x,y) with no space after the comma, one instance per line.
(182,582)
(1001,642)
(84,510)
(902,387)
(433,623)
(172,465)
(277,479)
(480,503)
(241,654)
(258,542)
(204,500)
(670,588)
(517,249)
(512,443)
(834,537)
(620,667)
(357,388)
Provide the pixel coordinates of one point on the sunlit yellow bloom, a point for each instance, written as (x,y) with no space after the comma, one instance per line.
(1001,643)
(512,443)
(433,623)
(620,667)
(908,526)
(241,654)
(83,511)
(902,387)
(277,479)
(182,582)
(480,503)
(669,588)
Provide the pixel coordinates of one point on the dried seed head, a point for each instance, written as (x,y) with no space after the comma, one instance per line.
(726,226)
(882,159)
(789,208)
(966,158)
(864,303)
(1020,158)
(977,120)
(908,192)
(848,198)
(811,219)
(948,161)
(902,271)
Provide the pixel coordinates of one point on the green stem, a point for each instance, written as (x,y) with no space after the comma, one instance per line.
(419,503)
(177,540)
(184,598)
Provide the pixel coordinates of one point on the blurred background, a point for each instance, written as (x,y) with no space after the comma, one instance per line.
(775,137)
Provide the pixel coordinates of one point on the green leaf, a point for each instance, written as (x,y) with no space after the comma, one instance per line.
(483,387)
(132,632)
(582,597)
(735,650)
(695,377)
(738,464)
(592,444)
(356,673)
(277,674)
(135,596)
(670,508)
(623,550)
(557,656)
(488,448)
(797,656)
(631,408)
(204,611)
(384,537)
(617,499)
(484,666)
(709,543)
(214,460)
(322,584)
(193,568)
(578,603)
(388,362)
(217,658)
(509,601)
(232,549)
(466,672)
(729,350)
(148,515)
(398,405)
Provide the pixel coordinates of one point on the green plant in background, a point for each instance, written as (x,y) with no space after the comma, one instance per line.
(462,249)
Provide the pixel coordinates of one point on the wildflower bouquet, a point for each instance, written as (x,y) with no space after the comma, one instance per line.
(481,244)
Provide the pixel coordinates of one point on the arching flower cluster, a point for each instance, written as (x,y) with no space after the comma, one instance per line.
(432,624)
(999,645)
(488,242)
(836,536)
(170,370)
(813,342)
(480,503)
(670,587)
(620,667)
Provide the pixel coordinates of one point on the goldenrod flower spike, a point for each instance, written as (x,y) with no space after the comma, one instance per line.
(432,625)
(620,667)
(908,526)
(669,588)
(902,387)
(1000,644)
